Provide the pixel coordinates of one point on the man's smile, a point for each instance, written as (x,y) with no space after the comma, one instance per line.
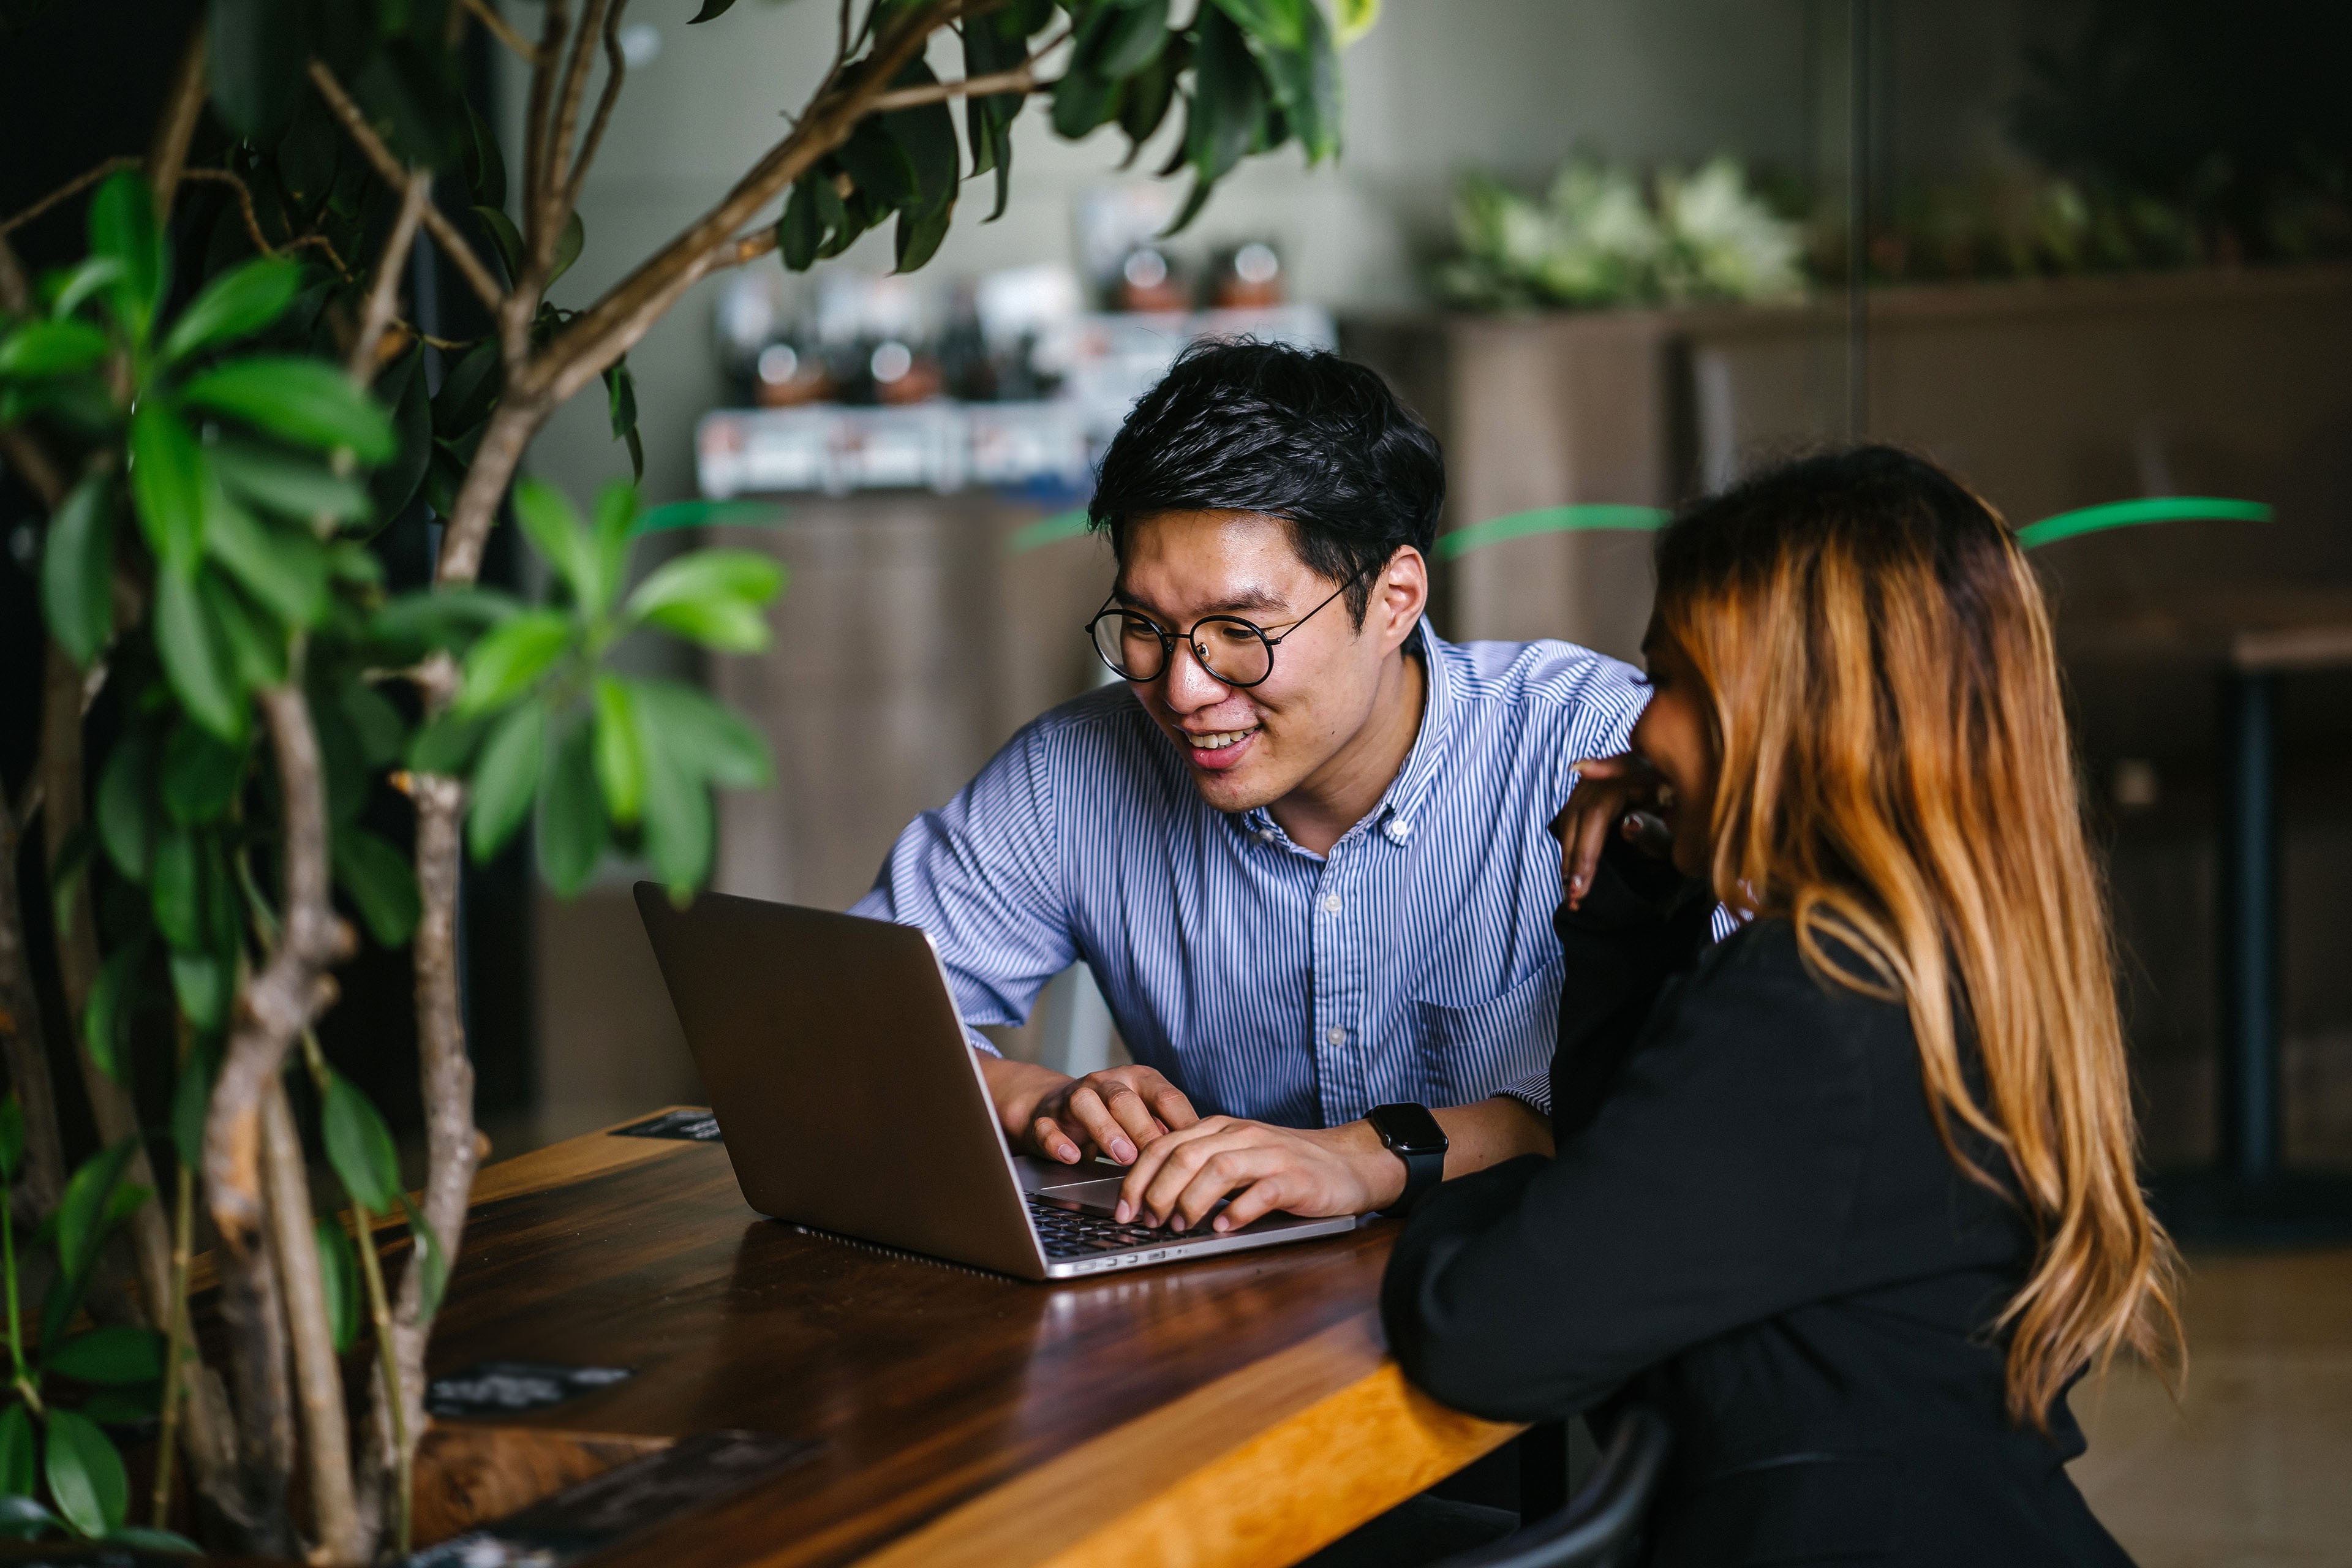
(1218,750)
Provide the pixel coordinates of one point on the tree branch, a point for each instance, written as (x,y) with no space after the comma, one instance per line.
(169,154)
(1022,77)
(273,1007)
(616,69)
(66,191)
(24,453)
(554,28)
(502,30)
(16,292)
(319,1379)
(444,233)
(547,223)
(383,294)
(253,222)
(27,1036)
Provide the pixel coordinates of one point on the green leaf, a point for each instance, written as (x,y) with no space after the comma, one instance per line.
(470,391)
(306,401)
(878,166)
(712,596)
(678,831)
(113,1354)
(513,656)
(200,774)
(432,1260)
(255,60)
(12,1141)
(19,1460)
(1306,81)
(1282,23)
(403,386)
(82,1211)
(700,735)
(572,829)
(339,1281)
(122,226)
(707,514)
(621,404)
(21,1518)
(196,657)
(174,888)
(505,236)
(147,1540)
(284,568)
(201,983)
(484,164)
(918,237)
(620,764)
(169,478)
(78,570)
(375,721)
(82,282)
(711,9)
(445,743)
(360,1147)
(1229,100)
(289,487)
(236,304)
(506,779)
(85,1473)
(568,244)
(609,537)
(131,1406)
(555,531)
(106,1012)
(39,349)
(191,1101)
(1083,100)
(257,648)
(1116,41)
(127,812)
(1357,18)
(381,882)
(447,619)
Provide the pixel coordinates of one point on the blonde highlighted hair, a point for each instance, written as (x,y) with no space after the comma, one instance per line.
(1895,773)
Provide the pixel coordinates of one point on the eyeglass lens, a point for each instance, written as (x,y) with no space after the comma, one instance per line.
(1231,650)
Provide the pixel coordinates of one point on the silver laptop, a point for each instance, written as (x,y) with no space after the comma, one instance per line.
(850,1102)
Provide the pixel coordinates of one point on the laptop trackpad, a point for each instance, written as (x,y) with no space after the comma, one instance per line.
(1096,1197)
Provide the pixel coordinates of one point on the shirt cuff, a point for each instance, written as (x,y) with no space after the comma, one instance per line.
(1534,1091)
(980,1042)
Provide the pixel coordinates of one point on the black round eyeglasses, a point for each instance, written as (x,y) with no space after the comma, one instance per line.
(1234,651)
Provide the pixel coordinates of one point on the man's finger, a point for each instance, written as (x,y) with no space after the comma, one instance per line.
(1141,1174)
(1221,1176)
(1165,1197)
(1049,1139)
(1173,1107)
(1253,1202)
(1086,1108)
(1128,1109)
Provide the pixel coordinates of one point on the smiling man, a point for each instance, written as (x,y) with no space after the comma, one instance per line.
(1304,849)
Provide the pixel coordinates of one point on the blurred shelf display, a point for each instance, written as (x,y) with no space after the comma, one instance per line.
(808,436)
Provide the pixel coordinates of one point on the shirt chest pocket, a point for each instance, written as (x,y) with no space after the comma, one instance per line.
(1468,1052)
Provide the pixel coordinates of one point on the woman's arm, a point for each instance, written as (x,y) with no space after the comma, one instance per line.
(1637,924)
(1710,1189)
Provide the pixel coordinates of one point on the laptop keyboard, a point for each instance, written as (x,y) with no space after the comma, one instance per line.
(1069,1235)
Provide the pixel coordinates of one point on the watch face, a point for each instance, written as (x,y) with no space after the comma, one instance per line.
(1408,1128)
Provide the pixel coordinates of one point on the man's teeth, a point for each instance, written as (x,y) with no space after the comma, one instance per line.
(1221,740)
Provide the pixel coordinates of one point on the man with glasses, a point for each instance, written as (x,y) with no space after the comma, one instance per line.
(1304,850)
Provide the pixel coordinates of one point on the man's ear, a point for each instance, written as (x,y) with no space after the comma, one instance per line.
(1400,594)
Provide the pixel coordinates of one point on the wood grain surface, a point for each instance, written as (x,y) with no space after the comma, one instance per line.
(1237,1410)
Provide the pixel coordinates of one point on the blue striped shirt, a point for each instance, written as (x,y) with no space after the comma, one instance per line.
(1415,962)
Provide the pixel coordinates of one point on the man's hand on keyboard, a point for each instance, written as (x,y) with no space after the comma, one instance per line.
(1179,1179)
(1116,1111)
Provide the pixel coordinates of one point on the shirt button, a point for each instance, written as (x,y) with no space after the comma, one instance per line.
(1331,904)
(1335,1037)
(1265,834)
(1398,831)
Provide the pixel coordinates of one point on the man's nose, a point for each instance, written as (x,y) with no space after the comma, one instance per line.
(1186,684)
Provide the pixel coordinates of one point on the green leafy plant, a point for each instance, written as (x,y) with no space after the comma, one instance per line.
(222,410)
(1600,237)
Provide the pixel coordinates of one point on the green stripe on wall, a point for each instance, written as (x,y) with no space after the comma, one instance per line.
(2124,513)
(1549,520)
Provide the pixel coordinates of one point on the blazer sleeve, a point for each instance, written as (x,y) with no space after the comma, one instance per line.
(1711,1188)
(1641,922)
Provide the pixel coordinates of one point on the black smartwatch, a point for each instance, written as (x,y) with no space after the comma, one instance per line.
(1413,1135)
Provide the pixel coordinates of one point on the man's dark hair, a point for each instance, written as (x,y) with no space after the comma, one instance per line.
(1291,433)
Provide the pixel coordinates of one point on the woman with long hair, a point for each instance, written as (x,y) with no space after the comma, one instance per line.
(1849,1196)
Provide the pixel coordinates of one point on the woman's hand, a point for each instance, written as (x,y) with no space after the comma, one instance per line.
(1621,795)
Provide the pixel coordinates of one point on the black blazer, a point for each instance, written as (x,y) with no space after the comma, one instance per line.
(1751,1223)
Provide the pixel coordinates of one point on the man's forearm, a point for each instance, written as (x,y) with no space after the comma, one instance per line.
(1485,1133)
(1015,1088)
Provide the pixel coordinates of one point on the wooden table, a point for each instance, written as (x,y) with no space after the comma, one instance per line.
(1237,1410)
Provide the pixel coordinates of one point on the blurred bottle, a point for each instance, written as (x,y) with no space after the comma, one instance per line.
(1149,281)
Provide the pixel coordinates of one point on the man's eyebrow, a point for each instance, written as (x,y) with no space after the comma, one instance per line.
(1246,599)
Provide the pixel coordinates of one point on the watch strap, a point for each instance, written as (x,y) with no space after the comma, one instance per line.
(1422,1171)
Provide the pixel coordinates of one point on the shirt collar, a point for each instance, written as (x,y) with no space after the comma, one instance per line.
(1400,807)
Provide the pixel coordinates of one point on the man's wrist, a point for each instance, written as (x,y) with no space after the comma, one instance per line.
(1018,1089)
(1380,1172)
